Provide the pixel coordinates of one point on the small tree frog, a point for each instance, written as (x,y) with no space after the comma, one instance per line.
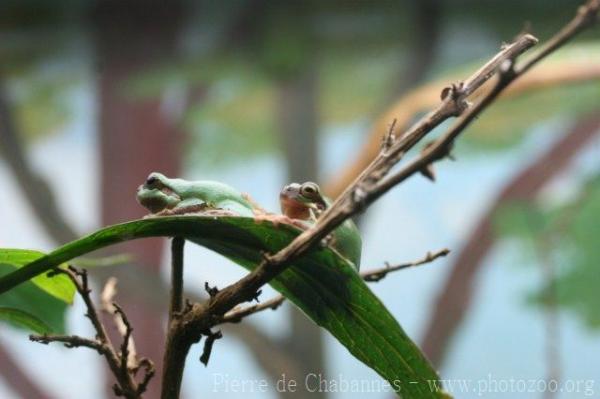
(164,196)
(305,202)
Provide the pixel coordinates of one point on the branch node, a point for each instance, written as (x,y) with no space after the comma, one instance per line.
(359,197)
(148,374)
(390,138)
(255,296)
(212,291)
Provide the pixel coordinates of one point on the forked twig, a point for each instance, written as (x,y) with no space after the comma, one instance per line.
(118,360)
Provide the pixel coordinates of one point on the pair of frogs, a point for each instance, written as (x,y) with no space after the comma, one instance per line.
(301,205)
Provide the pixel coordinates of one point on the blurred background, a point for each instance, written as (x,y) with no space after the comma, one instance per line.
(95,95)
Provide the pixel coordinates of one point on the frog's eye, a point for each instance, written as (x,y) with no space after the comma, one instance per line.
(309,189)
(151,180)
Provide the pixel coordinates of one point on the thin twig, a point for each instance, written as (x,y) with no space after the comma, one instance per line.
(72,341)
(236,315)
(374,275)
(127,340)
(149,371)
(120,321)
(118,362)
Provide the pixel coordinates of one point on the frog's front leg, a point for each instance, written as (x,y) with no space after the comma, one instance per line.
(256,208)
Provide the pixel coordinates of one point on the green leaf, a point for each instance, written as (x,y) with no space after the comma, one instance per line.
(103,261)
(567,234)
(29,298)
(322,283)
(22,319)
(59,286)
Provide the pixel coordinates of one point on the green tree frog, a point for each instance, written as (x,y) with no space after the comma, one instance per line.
(164,196)
(305,202)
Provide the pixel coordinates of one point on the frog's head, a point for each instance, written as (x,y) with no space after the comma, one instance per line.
(297,200)
(157,193)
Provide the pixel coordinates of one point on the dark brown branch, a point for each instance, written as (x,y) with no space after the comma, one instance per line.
(453,104)
(374,275)
(176,276)
(178,341)
(117,361)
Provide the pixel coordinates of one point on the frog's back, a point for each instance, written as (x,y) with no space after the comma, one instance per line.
(221,195)
(347,239)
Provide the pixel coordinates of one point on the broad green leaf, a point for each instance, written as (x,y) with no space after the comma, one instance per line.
(322,283)
(58,286)
(22,319)
(29,298)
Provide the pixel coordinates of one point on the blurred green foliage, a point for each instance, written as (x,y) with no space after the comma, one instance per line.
(567,235)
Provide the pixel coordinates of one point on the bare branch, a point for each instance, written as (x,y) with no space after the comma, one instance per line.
(120,320)
(72,341)
(236,315)
(178,342)
(376,275)
(507,74)
(149,372)
(118,362)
